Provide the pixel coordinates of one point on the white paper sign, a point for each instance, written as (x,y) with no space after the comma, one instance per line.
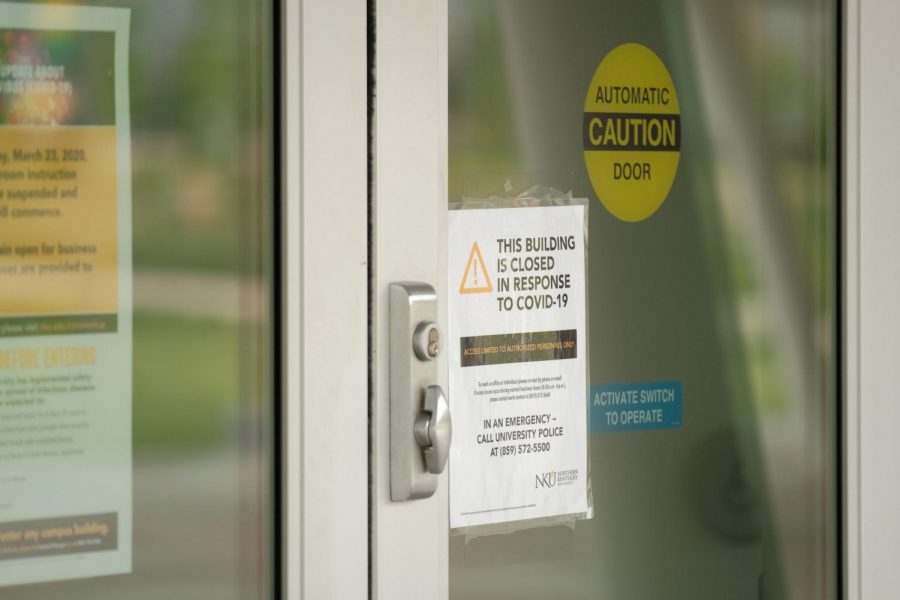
(517,348)
(66,304)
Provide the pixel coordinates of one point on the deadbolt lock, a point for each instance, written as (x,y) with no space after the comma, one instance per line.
(427,340)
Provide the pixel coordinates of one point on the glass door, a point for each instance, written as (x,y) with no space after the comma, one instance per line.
(138,407)
(715,276)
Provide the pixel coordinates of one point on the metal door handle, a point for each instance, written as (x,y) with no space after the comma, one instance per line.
(434,430)
(419,412)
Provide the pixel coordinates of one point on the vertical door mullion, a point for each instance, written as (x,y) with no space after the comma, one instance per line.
(872,296)
(850,301)
(409,544)
(326,308)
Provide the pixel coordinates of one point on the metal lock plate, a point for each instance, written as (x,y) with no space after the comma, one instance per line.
(420,416)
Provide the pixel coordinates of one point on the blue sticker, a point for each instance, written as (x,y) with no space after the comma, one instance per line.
(635,406)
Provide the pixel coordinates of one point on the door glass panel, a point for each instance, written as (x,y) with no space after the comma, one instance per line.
(729,288)
(203,428)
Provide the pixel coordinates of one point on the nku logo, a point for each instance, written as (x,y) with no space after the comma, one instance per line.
(545,480)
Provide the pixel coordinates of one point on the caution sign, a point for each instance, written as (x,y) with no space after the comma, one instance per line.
(631,132)
(475,279)
(517,346)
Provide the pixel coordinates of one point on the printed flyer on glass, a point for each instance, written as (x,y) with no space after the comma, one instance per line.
(65,306)
(518,379)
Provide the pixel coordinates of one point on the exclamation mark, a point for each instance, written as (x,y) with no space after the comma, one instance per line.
(475,264)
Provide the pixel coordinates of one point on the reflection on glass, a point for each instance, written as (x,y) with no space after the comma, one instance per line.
(729,288)
(202,161)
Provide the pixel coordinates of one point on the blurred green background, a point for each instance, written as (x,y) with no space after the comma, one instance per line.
(729,288)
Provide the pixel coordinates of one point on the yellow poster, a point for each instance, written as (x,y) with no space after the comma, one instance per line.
(65,306)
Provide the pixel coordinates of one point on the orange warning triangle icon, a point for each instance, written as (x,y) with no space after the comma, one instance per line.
(475,279)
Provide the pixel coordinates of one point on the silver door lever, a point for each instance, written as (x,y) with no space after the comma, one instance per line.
(434,430)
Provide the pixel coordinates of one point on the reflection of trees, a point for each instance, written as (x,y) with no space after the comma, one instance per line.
(483,145)
(766,74)
(196,86)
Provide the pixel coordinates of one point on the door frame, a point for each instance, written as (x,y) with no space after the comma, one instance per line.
(329,548)
(325,449)
(409,546)
(871,298)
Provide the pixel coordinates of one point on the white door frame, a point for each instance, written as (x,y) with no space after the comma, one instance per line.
(326,430)
(326,425)
(409,539)
(872,298)
(325,311)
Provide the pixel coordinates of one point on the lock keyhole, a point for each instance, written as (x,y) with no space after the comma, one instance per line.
(427,341)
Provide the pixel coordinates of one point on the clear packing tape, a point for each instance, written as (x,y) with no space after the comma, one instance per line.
(538,196)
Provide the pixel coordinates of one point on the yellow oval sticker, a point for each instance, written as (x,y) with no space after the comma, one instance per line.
(631,132)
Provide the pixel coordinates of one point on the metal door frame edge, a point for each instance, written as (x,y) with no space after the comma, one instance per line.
(850,299)
(325,308)
(409,210)
(872,298)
